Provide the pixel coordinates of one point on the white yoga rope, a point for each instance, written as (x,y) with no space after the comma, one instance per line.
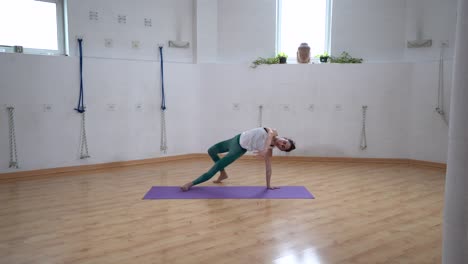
(84,154)
(163,142)
(84,142)
(260,115)
(363,132)
(440,89)
(13,152)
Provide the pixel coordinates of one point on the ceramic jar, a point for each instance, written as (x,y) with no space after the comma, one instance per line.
(303,53)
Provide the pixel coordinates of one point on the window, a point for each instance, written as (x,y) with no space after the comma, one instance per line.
(36,25)
(302,21)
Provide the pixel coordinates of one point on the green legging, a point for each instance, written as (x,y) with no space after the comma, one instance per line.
(234,150)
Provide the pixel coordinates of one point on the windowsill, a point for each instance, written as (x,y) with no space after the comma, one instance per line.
(10,50)
(312,61)
(289,62)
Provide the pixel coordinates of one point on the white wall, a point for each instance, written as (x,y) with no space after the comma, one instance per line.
(171,20)
(323,131)
(401,95)
(428,139)
(430,19)
(375,30)
(117,75)
(246,30)
(207,31)
(51,139)
(369,29)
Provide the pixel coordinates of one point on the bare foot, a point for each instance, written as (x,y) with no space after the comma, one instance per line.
(221,177)
(186,186)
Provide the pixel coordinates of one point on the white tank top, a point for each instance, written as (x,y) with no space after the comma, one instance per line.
(254,139)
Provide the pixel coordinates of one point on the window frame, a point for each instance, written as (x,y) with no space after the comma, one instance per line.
(62,34)
(328,28)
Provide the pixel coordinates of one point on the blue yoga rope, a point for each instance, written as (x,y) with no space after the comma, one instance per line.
(81,107)
(163,107)
(163,98)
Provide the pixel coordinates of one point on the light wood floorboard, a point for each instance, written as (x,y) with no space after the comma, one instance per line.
(363,213)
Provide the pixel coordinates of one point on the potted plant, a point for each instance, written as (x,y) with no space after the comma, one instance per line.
(282,57)
(345,58)
(323,57)
(267,61)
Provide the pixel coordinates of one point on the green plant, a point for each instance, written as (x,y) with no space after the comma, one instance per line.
(282,55)
(345,58)
(325,54)
(267,61)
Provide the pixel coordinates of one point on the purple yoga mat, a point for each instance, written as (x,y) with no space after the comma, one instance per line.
(228,192)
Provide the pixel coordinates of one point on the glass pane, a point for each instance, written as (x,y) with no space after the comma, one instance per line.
(28,23)
(302,21)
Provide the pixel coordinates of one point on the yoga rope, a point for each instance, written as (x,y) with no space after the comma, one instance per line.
(363,133)
(440,89)
(84,154)
(81,109)
(163,147)
(260,115)
(13,153)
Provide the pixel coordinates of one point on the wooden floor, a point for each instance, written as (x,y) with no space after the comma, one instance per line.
(363,213)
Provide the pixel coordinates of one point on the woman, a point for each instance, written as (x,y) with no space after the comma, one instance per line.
(259,140)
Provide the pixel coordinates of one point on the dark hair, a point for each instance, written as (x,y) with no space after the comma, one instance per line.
(292,143)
